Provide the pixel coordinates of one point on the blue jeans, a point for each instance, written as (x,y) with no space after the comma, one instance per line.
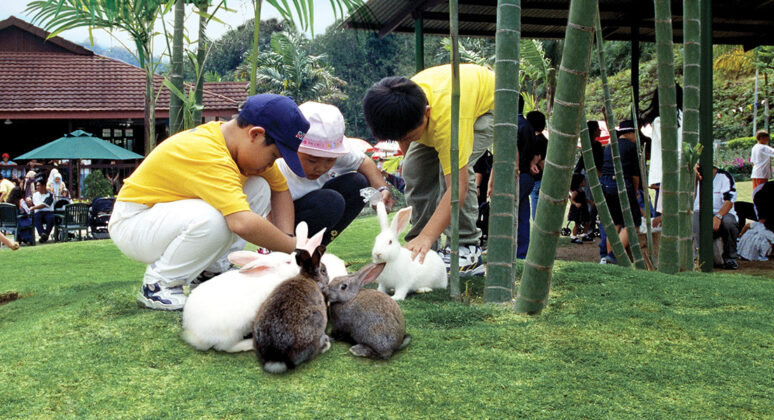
(334,206)
(534,196)
(43,217)
(526,183)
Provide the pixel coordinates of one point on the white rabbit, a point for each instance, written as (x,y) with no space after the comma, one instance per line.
(220,312)
(400,272)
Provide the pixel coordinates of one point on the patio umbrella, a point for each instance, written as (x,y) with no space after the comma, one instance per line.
(359,144)
(80,145)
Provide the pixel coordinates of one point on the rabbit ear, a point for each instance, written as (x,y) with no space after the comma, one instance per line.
(257,265)
(401,220)
(242,258)
(302,231)
(315,241)
(369,273)
(381,211)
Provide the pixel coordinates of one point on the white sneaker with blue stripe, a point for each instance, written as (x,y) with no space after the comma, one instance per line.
(155,296)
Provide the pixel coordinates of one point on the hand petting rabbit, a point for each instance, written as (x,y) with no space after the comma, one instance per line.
(289,328)
(369,318)
(220,312)
(401,272)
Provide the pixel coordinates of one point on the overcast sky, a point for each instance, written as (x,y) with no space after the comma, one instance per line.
(243,11)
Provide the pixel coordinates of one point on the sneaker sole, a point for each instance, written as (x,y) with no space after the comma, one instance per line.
(144,302)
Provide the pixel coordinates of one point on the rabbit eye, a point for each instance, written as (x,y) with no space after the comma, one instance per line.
(344,286)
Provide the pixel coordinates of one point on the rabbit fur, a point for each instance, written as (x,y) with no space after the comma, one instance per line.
(369,318)
(289,328)
(220,312)
(401,272)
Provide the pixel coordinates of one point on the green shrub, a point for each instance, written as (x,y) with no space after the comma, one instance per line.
(96,185)
(741,143)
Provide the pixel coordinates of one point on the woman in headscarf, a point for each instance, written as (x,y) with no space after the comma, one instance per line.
(56,186)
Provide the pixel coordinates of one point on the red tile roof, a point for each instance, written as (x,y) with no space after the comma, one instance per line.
(61,85)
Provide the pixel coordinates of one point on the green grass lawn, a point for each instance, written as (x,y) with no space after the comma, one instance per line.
(613,343)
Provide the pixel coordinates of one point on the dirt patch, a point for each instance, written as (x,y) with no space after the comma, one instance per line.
(6,297)
(589,252)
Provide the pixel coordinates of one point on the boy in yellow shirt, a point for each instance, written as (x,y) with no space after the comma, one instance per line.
(417,113)
(198,191)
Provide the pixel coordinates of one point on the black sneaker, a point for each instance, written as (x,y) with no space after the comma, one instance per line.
(731,265)
(576,240)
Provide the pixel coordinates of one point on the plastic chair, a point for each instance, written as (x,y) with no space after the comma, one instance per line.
(99,216)
(75,218)
(9,223)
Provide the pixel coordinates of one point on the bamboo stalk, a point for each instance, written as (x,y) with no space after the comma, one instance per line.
(502,218)
(691,117)
(623,197)
(599,196)
(564,127)
(454,269)
(644,176)
(668,256)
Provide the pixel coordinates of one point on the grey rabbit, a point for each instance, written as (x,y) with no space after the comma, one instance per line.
(289,328)
(369,318)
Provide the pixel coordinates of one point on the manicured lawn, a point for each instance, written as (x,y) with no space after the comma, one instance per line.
(612,343)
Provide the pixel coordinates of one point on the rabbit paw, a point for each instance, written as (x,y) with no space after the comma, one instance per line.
(424,290)
(361,350)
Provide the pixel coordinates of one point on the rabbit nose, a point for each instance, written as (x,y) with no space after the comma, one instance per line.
(378,255)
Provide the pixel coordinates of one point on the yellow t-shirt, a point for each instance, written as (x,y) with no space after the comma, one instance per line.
(194,164)
(477,86)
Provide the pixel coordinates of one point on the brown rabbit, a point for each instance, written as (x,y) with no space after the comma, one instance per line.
(289,327)
(369,318)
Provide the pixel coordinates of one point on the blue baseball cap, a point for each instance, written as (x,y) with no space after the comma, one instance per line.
(283,121)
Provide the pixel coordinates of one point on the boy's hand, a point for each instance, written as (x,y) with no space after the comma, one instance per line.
(578,205)
(419,247)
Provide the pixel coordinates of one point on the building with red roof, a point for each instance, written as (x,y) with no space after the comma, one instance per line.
(52,87)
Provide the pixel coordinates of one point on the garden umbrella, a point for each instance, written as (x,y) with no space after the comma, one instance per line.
(80,145)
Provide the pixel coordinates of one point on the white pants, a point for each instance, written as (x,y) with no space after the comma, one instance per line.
(179,239)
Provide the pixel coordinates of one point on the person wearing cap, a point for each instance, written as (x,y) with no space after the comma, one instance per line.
(328,196)
(629,155)
(416,113)
(200,190)
(7,172)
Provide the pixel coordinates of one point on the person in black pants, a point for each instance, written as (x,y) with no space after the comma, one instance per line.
(329,195)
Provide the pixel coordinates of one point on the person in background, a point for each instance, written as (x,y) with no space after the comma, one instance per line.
(6,185)
(760,156)
(538,121)
(7,172)
(57,187)
(655,173)
(629,156)
(328,196)
(579,212)
(42,202)
(483,170)
(724,221)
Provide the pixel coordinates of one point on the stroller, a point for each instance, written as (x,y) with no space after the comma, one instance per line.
(99,216)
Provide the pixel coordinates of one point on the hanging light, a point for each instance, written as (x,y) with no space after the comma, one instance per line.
(8,121)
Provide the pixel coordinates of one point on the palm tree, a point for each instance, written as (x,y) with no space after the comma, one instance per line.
(565,125)
(135,17)
(502,219)
(668,253)
(176,70)
(303,17)
(289,69)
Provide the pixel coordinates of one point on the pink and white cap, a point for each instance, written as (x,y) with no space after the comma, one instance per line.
(325,137)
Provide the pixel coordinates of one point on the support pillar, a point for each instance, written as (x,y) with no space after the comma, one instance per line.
(635,70)
(419,41)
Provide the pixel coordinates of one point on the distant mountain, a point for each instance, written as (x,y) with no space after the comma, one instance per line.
(119,53)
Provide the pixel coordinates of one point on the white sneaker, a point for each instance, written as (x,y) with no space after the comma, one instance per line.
(155,296)
(603,260)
